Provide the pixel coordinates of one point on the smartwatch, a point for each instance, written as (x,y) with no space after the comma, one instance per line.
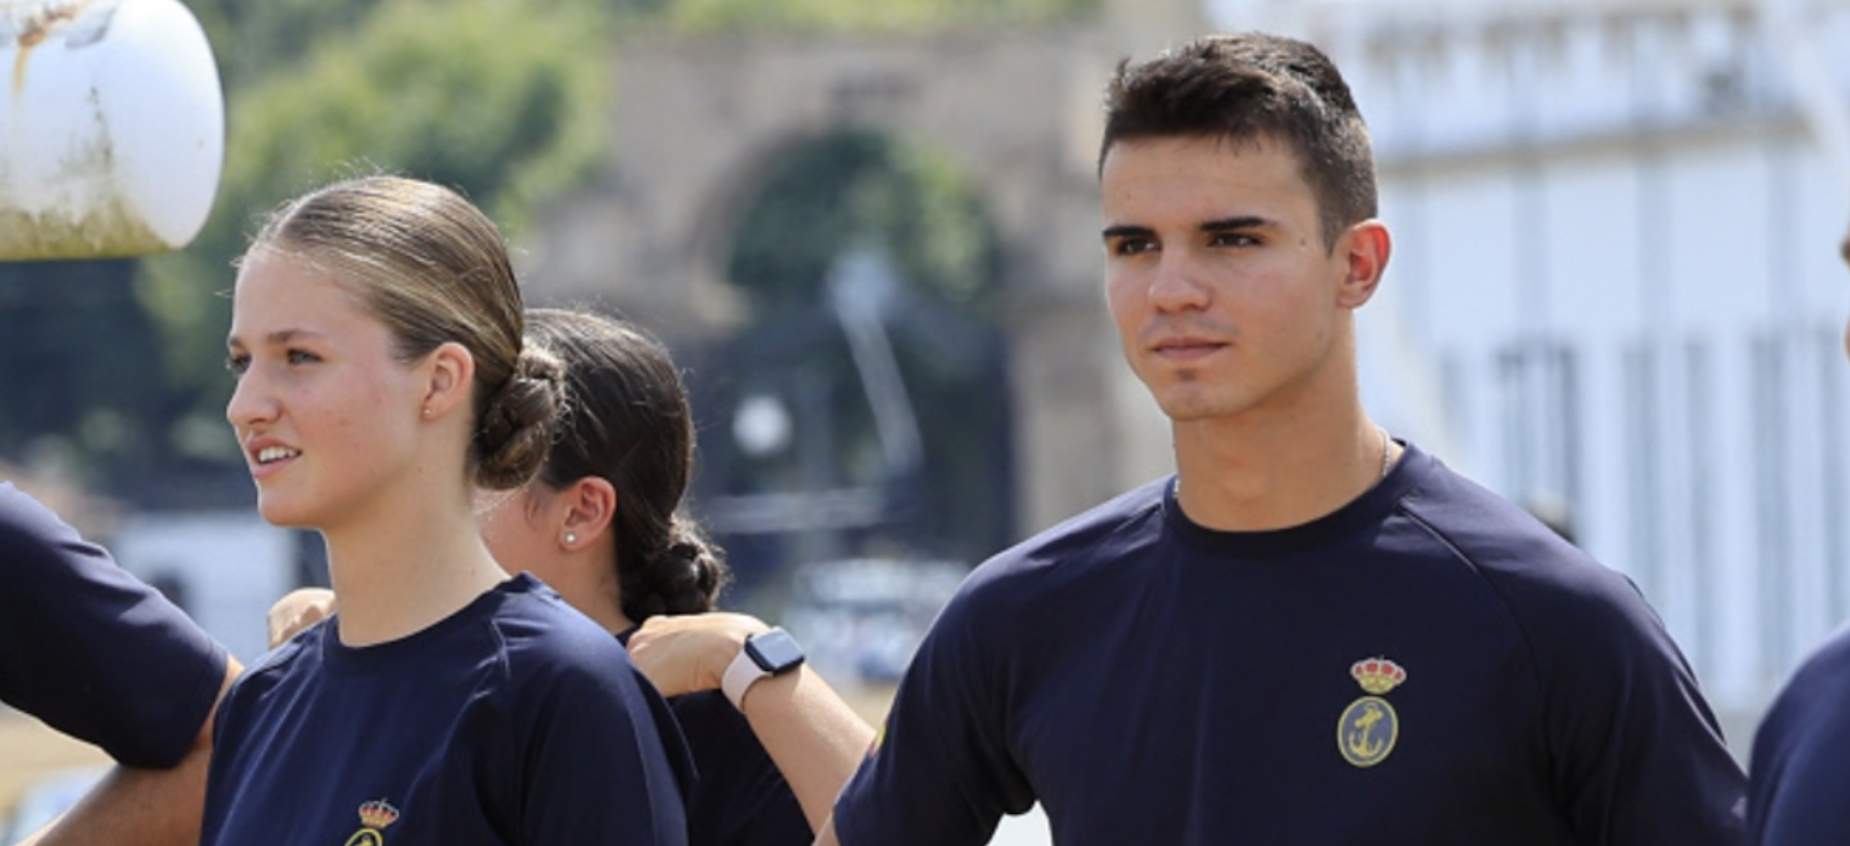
(767,653)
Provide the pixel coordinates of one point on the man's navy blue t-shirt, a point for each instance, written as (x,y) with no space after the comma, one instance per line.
(93,652)
(1801,755)
(1426,665)
(515,720)
(742,798)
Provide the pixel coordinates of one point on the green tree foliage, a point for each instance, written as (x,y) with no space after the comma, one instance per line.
(252,40)
(501,99)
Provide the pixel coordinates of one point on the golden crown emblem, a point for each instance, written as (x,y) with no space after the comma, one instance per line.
(378,814)
(1377,675)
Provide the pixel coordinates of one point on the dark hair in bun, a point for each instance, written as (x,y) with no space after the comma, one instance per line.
(629,423)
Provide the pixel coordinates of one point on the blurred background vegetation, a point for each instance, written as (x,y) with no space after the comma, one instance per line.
(116,380)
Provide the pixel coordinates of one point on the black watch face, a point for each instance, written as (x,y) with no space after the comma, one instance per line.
(775,651)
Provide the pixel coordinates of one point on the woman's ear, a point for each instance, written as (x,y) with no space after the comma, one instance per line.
(590,504)
(450,371)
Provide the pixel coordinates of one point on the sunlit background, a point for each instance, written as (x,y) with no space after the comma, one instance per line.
(869,233)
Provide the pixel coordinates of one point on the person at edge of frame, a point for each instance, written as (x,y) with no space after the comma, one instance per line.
(1796,788)
(104,658)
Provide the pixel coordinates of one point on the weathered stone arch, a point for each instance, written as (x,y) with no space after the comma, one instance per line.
(699,123)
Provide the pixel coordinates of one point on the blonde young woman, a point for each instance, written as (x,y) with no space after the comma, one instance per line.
(381,379)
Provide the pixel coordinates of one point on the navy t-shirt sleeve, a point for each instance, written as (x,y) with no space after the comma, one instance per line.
(1637,756)
(93,652)
(776,819)
(941,772)
(596,770)
(1800,755)
(742,800)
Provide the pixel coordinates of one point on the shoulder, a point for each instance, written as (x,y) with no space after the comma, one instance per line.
(1809,709)
(1553,588)
(1823,678)
(1073,550)
(1799,750)
(547,644)
(1129,517)
(295,658)
(1065,567)
(20,513)
(268,687)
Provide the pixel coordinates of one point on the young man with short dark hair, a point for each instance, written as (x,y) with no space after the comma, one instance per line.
(1310,633)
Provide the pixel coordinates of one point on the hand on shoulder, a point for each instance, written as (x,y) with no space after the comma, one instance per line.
(297,610)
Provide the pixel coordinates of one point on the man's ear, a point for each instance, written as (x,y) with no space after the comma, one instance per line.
(1364,248)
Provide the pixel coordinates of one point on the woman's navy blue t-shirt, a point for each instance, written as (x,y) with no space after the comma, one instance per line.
(742,798)
(516,720)
(1427,664)
(93,652)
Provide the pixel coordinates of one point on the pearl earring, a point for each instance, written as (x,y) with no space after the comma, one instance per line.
(571,538)
(427,412)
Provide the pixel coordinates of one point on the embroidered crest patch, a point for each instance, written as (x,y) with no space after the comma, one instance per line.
(1368,729)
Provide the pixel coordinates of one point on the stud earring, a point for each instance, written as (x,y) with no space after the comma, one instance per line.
(571,538)
(427,412)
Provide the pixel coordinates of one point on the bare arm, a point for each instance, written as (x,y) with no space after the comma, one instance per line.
(140,806)
(815,739)
(812,736)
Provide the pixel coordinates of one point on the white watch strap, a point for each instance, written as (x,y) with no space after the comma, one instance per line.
(740,675)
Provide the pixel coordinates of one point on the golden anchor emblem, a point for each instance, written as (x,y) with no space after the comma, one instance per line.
(1368,729)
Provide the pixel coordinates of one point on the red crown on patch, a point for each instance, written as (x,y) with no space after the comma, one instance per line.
(1377,675)
(378,814)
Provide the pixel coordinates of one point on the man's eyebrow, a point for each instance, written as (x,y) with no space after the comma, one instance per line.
(1126,231)
(1227,224)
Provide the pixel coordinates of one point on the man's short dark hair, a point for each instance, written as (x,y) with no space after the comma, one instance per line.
(1252,87)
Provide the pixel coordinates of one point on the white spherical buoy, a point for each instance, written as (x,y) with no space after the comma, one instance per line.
(112,128)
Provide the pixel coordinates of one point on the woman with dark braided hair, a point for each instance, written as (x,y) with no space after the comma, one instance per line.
(382,380)
(602,524)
